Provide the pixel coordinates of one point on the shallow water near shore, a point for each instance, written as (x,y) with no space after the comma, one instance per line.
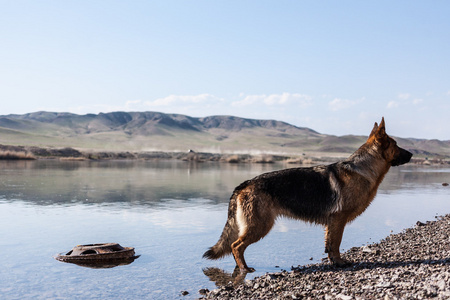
(171,212)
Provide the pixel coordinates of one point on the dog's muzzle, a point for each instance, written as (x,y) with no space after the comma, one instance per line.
(402,158)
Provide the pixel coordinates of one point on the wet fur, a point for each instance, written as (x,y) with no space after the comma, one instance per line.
(330,195)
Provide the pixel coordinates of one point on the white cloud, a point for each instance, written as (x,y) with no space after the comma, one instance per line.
(393,104)
(417,101)
(404,100)
(248,100)
(182,99)
(339,104)
(404,96)
(274,99)
(302,100)
(132,104)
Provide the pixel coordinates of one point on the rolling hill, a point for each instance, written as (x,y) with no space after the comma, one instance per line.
(154,131)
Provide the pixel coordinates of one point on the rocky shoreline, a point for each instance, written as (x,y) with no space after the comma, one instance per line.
(31,152)
(8,152)
(413,264)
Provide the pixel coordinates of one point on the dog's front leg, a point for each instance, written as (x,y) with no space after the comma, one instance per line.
(333,237)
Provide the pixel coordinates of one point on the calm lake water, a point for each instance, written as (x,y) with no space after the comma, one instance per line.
(171,212)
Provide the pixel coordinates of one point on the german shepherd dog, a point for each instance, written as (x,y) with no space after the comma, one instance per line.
(330,195)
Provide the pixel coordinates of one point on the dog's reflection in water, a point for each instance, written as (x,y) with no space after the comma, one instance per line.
(223,278)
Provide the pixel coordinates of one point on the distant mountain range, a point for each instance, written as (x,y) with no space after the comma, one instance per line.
(154,131)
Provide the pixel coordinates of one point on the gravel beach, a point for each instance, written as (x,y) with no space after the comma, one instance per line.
(413,264)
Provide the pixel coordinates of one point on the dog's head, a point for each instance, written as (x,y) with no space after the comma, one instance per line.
(392,153)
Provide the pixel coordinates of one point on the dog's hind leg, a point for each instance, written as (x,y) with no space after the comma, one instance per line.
(253,225)
(245,240)
(333,238)
(238,248)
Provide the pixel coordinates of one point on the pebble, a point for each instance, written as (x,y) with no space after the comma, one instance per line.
(413,264)
(203,291)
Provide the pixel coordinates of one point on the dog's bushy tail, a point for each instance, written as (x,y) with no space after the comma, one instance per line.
(229,234)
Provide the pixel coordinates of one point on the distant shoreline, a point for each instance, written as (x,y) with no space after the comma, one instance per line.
(8,152)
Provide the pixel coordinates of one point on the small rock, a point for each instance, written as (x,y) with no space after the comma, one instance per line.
(184,293)
(445,184)
(228,288)
(366,249)
(296,296)
(203,291)
(441,285)
(344,297)
(383,284)
(271,276)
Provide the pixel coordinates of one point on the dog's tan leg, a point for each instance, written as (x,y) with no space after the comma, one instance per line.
(333,238)
(255,217)
(252,235)
(238,248)
(258,228)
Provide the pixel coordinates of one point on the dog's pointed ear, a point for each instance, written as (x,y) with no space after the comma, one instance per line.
(375,127)
(382,122)
(381,130)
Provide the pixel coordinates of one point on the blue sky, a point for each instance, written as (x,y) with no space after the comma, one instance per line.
(333,66)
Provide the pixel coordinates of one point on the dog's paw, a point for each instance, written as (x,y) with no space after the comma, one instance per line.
(341,263)
(243,270)
(248,270)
